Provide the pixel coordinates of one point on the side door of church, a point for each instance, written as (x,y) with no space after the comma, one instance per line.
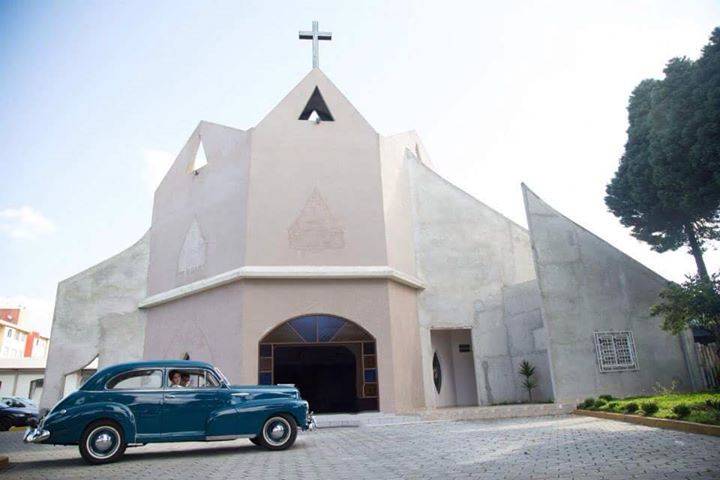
(188,405)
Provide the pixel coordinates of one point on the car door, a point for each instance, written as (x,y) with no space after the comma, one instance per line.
(186,409)
(141,391)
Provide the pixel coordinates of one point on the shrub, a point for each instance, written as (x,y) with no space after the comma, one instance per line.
(589,402)
(607,398)
(631,407)
(711,405)
(612,406)
(650,408)
(600,403)
(681,410)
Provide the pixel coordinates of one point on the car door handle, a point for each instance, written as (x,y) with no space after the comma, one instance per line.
(169,395)
(241,394)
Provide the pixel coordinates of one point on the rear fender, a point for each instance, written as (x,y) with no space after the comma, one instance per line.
(67,427)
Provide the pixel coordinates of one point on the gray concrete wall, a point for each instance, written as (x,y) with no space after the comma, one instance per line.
(587,285)
(466,253)
(525,339)
(96,315)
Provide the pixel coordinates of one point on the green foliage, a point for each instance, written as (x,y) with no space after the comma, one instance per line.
(527,370)
(612,406)
(667,186)
(587,403)
(681,410)
(713,405)
(599,403)
(694,303)
(650,408)
(631,407)
(607,398)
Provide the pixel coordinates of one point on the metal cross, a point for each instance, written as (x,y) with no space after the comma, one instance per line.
(315,36)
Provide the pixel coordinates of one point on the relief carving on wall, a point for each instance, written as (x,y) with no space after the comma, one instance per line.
(316,229)
(192,253)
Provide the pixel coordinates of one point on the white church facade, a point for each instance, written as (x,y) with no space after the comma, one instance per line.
(312,250)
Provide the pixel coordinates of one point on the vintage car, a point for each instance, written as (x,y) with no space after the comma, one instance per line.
(132,404)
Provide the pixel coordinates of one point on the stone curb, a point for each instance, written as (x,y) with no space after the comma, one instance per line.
(680,425)
(4,462)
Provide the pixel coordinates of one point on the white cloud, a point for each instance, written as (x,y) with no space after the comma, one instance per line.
(37,312)
(157,163)
(25,223)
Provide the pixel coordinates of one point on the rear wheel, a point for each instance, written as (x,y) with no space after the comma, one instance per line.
(5,424)
(278,432)
(255,440)
(102,442)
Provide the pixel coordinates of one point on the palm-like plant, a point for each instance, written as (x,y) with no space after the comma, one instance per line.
(527,370)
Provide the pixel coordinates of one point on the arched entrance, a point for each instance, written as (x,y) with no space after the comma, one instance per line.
(331,360)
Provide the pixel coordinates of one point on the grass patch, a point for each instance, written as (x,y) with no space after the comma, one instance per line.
(700,412)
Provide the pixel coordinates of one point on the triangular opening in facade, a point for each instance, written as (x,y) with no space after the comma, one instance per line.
(316,105)
(200,159)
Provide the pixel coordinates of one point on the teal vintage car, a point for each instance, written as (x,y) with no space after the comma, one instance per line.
(132,404)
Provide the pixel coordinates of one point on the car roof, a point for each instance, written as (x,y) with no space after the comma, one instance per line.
(99,379)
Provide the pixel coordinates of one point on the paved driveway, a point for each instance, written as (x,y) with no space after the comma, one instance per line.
(542,448)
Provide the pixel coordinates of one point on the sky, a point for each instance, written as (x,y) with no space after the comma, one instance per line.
(97,99)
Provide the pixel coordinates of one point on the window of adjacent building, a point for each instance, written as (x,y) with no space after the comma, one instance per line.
(615,351)
(137,380)
(9,334)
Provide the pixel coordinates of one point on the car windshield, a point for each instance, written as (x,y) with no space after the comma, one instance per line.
(222,377)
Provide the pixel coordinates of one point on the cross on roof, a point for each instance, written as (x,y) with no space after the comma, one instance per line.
(315,36)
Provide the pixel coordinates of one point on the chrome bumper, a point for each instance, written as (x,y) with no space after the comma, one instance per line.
(35,435)
(311,425)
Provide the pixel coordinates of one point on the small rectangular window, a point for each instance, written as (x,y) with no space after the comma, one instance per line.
(615,351)
(464,348)
(9,334)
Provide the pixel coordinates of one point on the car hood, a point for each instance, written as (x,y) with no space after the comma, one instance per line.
(266,391)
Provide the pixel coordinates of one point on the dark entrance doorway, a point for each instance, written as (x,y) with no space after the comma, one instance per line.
(331,360)
(324,374)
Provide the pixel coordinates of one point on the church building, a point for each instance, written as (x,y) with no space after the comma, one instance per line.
(310,249)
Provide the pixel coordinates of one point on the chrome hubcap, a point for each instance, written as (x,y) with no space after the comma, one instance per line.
(277,432)
(103,442)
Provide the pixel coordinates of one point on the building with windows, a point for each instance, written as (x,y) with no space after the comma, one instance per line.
(310,249)
(17,341)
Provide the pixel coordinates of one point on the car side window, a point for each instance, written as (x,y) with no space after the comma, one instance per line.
(137,380)
(191,378)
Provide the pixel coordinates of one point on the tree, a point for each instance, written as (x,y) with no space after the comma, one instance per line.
(694,303)
(667,186)
(527,370)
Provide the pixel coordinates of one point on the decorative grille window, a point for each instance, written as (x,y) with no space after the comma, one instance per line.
(615,351)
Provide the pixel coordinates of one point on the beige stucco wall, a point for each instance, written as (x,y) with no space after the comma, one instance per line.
(292,159)
(215,199)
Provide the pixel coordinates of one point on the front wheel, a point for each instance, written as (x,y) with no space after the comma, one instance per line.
(278,432)
(102,442)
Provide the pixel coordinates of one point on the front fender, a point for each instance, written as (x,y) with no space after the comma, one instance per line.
(253,414)
(66,426)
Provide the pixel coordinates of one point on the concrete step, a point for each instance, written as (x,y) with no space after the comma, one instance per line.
(334,420)
(373,419)
(496,411)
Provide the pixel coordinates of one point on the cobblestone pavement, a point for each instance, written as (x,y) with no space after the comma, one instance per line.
(538,448)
